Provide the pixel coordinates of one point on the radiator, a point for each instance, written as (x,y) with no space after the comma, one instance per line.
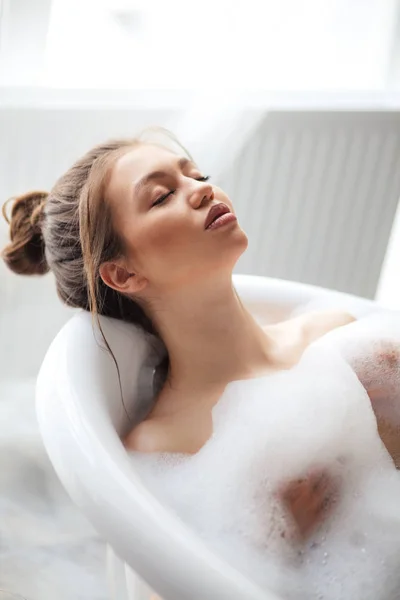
(317,194)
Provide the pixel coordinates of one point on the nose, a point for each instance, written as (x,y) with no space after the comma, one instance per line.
(202,194)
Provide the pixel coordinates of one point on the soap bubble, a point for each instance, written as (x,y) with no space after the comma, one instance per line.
(268,431)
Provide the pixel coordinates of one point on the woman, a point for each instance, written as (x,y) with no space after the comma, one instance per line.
(137,232)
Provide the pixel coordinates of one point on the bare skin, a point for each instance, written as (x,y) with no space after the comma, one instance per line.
(184,424)
(180,272)
(181,420)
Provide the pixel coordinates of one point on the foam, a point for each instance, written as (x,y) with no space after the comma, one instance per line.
(277,428)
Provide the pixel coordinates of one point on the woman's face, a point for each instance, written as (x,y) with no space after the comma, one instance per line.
(160,203)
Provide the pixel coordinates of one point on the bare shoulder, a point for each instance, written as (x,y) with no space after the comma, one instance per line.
(170,435)
(296,333)
(148,436)
(315,324)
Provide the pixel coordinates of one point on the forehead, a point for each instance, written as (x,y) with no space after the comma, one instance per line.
(141,160)
(134,164)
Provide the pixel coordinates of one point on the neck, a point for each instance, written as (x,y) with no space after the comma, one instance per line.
(210,336)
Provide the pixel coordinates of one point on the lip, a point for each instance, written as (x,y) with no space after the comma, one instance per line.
(215,211)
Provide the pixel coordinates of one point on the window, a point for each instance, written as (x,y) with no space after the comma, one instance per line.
(275,45)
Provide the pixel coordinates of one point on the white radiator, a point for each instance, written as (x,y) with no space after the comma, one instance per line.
(317,194)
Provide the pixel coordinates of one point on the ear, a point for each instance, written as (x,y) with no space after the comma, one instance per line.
(117,277)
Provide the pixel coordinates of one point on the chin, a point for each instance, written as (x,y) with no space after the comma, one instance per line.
(233,250)
(244,236)
(241,240)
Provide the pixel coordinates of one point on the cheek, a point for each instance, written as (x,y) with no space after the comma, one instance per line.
(169,240)
(162,233)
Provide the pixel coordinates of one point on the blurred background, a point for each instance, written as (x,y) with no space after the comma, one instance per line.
(310,155)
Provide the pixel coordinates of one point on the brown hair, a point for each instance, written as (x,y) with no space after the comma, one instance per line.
(69,231)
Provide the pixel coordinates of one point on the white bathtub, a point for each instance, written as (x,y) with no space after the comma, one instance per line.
(81,419)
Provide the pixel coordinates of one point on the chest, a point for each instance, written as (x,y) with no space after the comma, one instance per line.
(188,430)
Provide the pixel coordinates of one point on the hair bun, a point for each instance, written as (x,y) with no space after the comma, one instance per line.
(26,252)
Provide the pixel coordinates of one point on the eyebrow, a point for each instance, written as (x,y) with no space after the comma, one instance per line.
(139,185)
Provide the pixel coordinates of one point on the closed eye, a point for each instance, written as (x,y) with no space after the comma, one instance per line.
(162,198)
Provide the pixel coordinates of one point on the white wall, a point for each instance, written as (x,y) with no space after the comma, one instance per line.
(388,291)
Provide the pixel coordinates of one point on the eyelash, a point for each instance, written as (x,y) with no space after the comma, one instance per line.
(161,199)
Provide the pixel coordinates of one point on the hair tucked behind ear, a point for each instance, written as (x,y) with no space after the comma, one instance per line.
(70,231)
(25,254)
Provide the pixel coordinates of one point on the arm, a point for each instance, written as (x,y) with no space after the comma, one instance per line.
(380,376)
(310,500)
(371,347)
